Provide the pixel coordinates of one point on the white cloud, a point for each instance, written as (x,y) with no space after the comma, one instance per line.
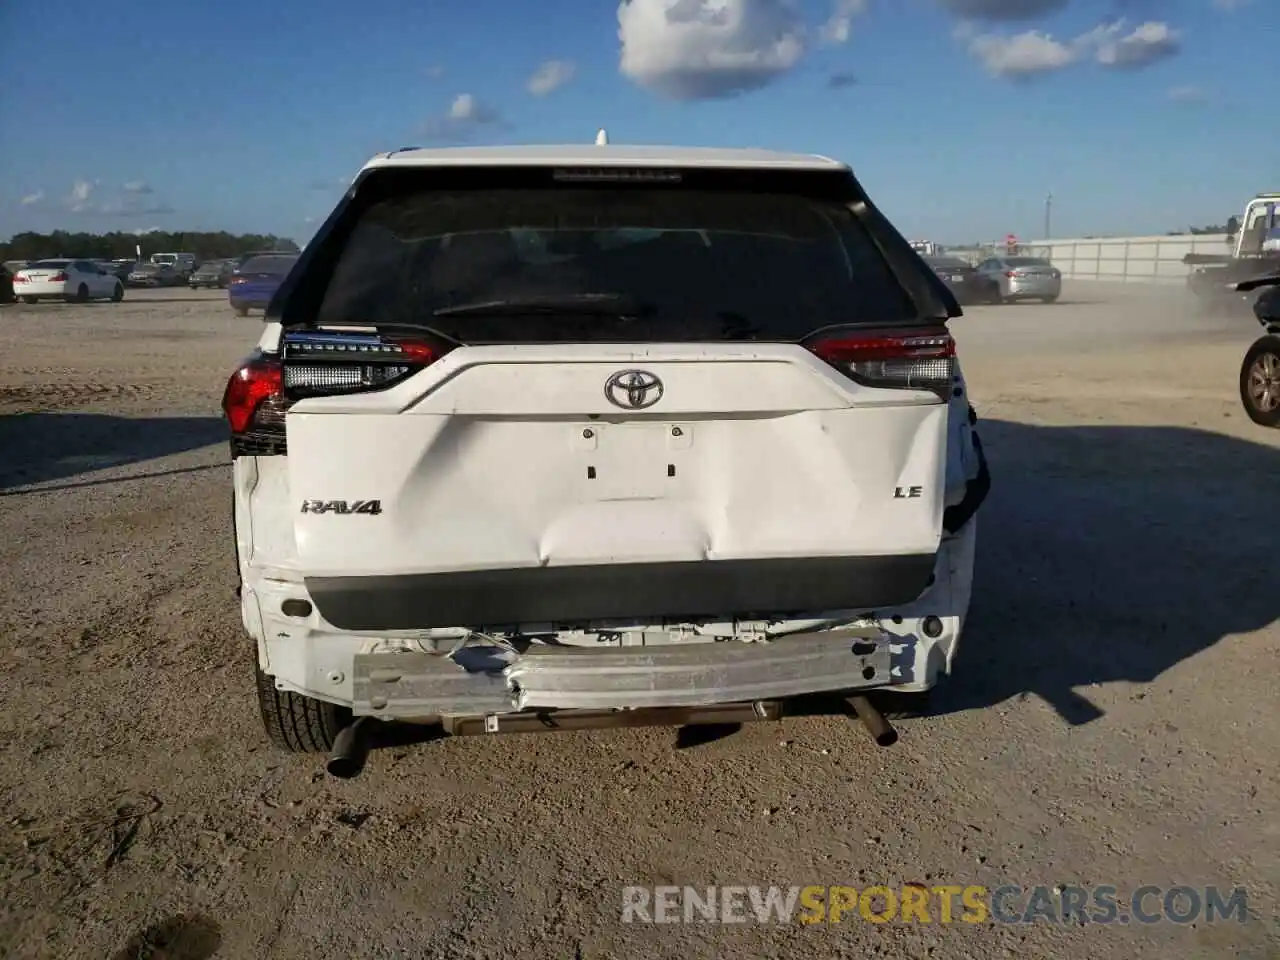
(133,202)
(1033,52)
(838,25)
(1188,93)
(32,198)
(1146,44)
(78,199)
(1002,10)
(466,115)
(700,49)
(1022,55)
(551,75)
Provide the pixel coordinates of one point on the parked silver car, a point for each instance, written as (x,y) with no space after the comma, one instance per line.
(1023,278)
(154,275)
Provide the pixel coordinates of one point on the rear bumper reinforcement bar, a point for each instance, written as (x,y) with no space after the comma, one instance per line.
(417,685)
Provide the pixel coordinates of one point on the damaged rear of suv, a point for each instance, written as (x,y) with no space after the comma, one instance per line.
(534,431)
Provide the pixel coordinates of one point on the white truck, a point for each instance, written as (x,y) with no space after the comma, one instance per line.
(537,437)
(182,263)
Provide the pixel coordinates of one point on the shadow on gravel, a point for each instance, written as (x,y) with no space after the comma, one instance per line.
(1112,553)
(181,937)
(41,447)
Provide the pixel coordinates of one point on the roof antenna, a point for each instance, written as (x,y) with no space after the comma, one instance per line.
(602,138)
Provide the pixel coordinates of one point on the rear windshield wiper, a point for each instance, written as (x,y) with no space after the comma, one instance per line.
(583,304)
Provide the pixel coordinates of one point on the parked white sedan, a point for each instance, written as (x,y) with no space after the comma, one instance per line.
(71,280)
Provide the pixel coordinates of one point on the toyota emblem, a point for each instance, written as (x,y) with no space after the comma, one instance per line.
(633,389)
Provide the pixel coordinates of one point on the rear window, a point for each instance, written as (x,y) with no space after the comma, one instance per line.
(1026,262)
(707,264)
(168,259)
(274,265)
(49,265)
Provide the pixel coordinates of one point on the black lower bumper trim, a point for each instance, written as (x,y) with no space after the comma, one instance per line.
(689,590)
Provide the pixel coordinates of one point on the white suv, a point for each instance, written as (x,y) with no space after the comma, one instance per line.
(600,428)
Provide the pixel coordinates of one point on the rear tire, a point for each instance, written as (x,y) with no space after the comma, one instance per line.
(118,293)
(1052,299)
(295,723)
(81,295)
(1260,382)
(30,299)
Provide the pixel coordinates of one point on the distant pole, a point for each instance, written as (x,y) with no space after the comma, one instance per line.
(1048,216)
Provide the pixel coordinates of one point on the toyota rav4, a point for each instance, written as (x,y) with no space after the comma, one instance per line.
(537,431)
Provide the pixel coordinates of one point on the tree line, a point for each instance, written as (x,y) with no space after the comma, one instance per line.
(118,245)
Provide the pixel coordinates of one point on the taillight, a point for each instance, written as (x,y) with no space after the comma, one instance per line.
(1012,273)
(59,278)
(259,380)
(313,364)
(237,279)
(923,360)
(324,364)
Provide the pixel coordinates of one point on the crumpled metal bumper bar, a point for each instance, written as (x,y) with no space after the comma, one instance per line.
(406,685)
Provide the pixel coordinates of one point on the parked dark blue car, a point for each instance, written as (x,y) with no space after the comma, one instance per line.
(256,280)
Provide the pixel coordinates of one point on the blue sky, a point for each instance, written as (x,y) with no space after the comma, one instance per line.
(958,115)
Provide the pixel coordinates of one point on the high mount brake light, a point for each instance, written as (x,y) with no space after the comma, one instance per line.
(260,392)
(909,361)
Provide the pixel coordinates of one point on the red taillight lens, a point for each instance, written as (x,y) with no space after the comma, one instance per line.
(237,279)
(252,385)
(59,278)
(922,360)
(1012,273)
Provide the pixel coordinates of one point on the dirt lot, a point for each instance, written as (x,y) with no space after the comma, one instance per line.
(1114,718)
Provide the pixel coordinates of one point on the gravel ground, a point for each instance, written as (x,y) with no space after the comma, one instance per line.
(1113,720)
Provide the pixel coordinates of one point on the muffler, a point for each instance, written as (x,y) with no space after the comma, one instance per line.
(350,749)
(881,730)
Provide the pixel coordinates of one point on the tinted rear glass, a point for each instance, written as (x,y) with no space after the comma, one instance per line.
(274,265)
(49,264)
(707,264)
(1026,262)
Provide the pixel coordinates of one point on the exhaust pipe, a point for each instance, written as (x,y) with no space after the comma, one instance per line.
(880,729)
(350,749)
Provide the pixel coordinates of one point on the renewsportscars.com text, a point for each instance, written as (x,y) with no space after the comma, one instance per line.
(941,903)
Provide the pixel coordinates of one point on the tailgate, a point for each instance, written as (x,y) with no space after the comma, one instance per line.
(507,484)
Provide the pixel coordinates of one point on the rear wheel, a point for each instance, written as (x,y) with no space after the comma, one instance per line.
(81,295)
(1260,382)
(118,293)
(296,723)
(1053,299)
(242,311)
(29,299)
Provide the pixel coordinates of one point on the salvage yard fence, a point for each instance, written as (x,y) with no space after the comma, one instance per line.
(1120,259)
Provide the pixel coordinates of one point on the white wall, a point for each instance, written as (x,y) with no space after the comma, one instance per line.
(1127,259)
